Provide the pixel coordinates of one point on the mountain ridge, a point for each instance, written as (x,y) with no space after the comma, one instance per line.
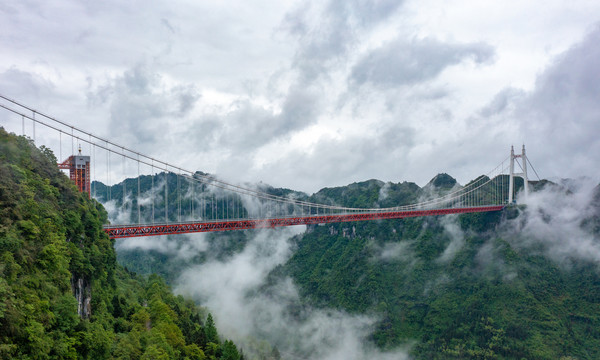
(487,285)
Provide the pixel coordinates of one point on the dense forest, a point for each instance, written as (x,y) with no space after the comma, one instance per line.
(474,286)
(464,287)
(62,294)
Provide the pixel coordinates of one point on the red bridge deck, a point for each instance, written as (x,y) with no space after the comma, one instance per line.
(124,231)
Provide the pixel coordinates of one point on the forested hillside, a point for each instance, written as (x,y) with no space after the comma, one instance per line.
(62,294)
(472,286)
(523,283)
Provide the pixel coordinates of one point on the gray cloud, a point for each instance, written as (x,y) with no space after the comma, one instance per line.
(233,88)
(490,263)
(370,12)
(348,158)
(183,249)
(402,62)
(559,119)
(501,102)
(143,108)
(326,38)
(457,238)
(26,85)
(249,127)
(564,106)
(230,289)
(246,126)
(397,252)
(554,218)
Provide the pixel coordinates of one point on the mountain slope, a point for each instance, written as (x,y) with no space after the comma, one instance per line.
(462,287)
(62,295)
(521,283)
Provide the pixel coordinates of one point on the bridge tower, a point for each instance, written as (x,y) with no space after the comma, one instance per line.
(79,171)
(512,175)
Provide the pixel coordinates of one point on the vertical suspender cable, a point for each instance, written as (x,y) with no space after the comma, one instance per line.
(497,187)
(152,192)
(492,200)
(94,169)
(202,203)
(125,178)
(178,200)
(108,194)
(91,180)
(166,194)
(75,165)
(501,197)
(138,193)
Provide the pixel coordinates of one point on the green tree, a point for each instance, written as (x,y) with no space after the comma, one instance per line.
(212,336)
(51,239)
(230,351)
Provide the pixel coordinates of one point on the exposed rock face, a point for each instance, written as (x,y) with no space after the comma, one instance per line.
(346,232)
(82,290)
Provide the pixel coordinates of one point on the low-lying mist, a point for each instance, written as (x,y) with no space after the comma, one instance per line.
(232,291)
(558,220)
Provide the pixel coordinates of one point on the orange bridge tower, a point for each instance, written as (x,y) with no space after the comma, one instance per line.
(79,171)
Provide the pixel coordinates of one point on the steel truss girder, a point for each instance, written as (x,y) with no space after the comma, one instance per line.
(125,231)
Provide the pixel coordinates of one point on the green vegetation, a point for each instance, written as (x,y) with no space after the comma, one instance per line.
(184,198)
(487,300)
(454,287)
(52,248)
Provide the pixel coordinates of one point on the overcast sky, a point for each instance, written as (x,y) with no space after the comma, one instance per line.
(308,94)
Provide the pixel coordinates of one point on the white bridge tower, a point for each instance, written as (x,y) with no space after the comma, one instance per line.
(523,174)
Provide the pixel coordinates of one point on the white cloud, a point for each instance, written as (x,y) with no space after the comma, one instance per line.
(555,217)
(230,288)
(457,238)
(184,248)
(404,62)
(268,92)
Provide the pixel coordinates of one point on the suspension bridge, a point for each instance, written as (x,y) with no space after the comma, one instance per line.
(177,200)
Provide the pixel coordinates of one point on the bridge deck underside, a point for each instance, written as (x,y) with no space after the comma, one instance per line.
(125,231)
